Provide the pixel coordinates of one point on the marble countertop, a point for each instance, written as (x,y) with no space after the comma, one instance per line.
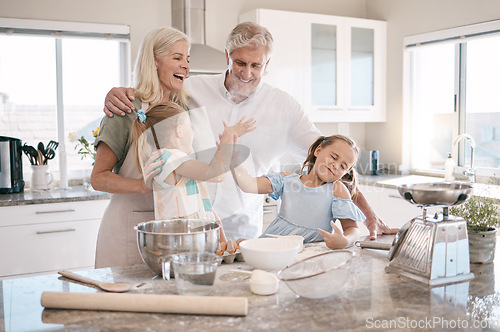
(73,194)
(79,193)
(372,298)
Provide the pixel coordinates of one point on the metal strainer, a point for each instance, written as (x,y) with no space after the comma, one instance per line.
(318,276)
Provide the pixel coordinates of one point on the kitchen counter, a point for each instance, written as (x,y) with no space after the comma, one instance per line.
(371,299)
(30,196)
(79,193)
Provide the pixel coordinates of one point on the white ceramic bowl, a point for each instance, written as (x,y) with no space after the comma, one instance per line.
(269,253)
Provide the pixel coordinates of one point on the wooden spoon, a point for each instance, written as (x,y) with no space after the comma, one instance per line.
(106,286)
(40,157)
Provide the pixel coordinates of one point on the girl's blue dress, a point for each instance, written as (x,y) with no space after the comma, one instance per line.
(304,209)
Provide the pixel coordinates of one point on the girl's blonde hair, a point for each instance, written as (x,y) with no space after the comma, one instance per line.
(350,178)
(145,136)
(147,83)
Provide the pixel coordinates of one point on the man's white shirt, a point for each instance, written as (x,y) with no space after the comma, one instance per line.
(281,127)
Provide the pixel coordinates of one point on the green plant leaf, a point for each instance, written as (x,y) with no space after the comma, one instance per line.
(480,213)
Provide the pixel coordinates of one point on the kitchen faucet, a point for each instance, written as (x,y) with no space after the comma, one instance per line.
(471,172)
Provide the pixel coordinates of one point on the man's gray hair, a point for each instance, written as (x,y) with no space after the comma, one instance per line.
(248,34)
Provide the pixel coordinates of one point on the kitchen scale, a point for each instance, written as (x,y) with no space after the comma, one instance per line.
(433,249)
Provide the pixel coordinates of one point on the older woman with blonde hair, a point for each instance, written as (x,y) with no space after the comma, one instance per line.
(160,70)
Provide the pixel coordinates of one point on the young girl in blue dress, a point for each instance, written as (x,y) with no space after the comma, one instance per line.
(311,203)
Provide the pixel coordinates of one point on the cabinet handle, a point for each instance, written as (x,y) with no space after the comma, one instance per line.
(57,231)
(268,211)
(328,109)
(54,211)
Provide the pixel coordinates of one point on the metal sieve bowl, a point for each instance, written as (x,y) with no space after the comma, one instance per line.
(159,239)
(318,276)
(436,194)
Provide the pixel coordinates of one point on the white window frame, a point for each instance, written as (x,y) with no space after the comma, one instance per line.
(454,35)
(60,30)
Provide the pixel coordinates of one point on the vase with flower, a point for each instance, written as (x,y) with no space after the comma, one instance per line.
(85,149)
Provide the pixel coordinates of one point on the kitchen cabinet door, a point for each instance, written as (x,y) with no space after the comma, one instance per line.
(325,92)
(270,211)
(389,205)
(334,66)
(48,247)
(42,238)
(349,57)
(52,212)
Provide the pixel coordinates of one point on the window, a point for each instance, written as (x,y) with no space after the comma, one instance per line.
(453,84)
(53,80)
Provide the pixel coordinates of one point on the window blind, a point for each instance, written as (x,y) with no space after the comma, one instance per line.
(63,29)
(454,35)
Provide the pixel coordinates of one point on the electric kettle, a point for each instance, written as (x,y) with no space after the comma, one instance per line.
(11,166)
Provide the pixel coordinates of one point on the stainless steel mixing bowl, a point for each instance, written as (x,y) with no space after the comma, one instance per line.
(436,194)
(158,239)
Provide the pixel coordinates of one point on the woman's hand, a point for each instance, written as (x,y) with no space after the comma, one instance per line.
(119,101)
(335,239)
(152,167)
(103,178)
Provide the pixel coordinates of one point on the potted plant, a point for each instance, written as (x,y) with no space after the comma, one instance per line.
(482,217)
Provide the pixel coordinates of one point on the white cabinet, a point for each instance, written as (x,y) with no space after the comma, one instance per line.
(49,237)
(270,211)
(334,66)
(391,207)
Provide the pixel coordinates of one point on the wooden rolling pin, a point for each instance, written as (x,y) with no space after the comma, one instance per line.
(175,304)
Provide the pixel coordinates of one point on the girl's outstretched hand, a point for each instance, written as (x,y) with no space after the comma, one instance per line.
(335,239)
(242,127)
(231,133)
